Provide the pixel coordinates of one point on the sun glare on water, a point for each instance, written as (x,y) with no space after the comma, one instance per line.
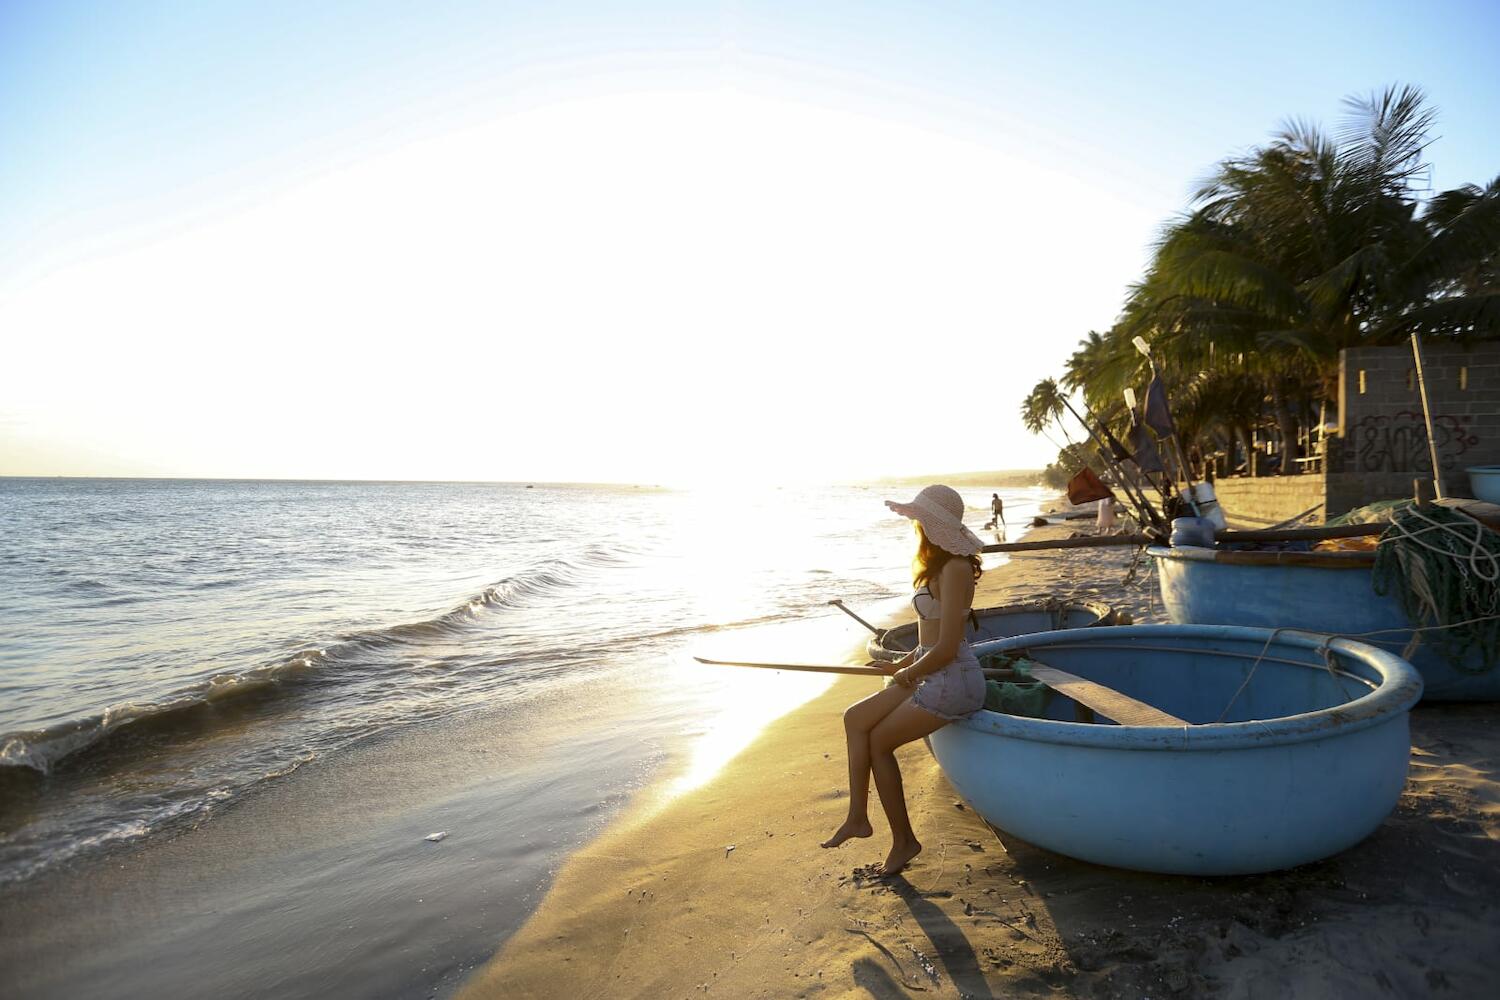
(725,536)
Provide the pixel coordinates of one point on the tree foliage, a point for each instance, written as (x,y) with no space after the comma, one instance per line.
(1287,255)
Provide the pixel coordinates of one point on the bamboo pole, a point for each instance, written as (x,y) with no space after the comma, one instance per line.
(1134,479)
(1437,472)
(1144,508)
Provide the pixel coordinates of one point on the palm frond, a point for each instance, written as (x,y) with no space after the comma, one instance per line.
(1460,317)
(1465,230)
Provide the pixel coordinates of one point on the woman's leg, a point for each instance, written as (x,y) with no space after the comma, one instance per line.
(859,719)
(906,723)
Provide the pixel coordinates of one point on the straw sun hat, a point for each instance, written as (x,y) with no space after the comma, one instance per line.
(940,512)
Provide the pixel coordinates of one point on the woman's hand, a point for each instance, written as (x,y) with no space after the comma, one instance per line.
(906,677)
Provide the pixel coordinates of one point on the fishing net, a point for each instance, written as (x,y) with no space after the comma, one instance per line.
(1444,568)
(1381,510)
(1023,696)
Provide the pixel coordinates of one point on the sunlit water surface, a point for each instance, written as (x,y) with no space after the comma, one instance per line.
(168,646)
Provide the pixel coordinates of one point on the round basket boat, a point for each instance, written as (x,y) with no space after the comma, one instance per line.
(1000,622)
(1309,758)
(1317,591)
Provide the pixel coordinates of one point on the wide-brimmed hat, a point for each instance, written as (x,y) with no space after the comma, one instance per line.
(940,512)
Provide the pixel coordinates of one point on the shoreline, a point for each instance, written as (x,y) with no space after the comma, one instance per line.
(725,891)
(639,894)
(607,925)
(332,859)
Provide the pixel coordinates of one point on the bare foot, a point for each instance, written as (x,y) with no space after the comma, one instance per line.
(901,855)
(849,830)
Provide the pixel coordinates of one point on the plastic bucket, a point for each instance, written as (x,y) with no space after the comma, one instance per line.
(1486,482)
(1208,504)
(1193,531)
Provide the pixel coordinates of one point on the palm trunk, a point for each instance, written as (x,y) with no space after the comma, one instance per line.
(1286,429)
(1246,434)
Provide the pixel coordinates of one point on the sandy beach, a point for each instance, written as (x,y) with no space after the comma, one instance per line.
(725,891)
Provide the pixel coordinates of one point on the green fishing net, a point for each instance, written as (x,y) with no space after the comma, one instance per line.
(1442,567)
(1022,697)
(1381,510)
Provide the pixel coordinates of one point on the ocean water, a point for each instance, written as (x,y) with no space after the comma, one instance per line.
(167,647)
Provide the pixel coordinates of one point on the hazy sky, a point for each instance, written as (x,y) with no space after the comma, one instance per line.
(640,242)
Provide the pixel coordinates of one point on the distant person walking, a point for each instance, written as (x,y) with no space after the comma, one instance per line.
(997,511)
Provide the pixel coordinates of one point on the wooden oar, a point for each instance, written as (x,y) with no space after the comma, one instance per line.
(838,603)
(812,668)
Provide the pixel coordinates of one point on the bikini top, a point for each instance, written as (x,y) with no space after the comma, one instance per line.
(929,613)
(926,604)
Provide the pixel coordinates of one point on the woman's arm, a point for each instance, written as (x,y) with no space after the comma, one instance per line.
(957,596)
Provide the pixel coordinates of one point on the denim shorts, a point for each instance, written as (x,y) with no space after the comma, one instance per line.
(956,691)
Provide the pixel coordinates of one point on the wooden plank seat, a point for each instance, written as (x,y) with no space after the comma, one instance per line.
(1106,701)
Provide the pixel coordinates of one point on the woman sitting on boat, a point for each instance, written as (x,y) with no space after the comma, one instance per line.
(936,683)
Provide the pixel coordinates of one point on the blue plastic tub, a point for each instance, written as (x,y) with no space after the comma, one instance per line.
(1485,479)
(1307,762)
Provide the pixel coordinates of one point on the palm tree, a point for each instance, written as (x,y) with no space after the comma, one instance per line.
(1315,245)
(1042,406)
(1308,246)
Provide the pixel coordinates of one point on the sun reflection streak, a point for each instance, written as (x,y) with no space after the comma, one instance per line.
(753,700)
(746,700)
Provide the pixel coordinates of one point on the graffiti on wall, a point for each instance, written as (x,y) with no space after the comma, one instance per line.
(1398,443)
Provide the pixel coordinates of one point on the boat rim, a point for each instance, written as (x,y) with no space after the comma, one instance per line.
(1233,557)
(1033,605)
(1399,689)
(1107,614)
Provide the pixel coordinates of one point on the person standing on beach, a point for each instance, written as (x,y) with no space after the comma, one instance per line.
(997,510)
(1105,524)
(937,683)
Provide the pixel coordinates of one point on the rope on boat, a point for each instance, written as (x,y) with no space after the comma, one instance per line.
(1328,653)
(1443,568)
(1325,646)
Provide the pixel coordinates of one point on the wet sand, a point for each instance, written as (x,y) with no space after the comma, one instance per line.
(725,891)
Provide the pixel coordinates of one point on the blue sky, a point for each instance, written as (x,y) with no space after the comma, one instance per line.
(130,127)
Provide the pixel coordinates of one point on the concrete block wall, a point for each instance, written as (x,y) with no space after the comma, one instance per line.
(1259,503)
(1381,445)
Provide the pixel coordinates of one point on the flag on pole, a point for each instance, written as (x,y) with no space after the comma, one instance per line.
(1086,486)
(1154,410)
(1147,457)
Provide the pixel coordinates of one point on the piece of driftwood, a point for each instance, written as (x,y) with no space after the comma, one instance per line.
(1092,541)
(1262,535)
(1317,534)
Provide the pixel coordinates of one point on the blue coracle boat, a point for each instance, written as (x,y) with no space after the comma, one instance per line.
(1000,622)
(1309,758)
(1316,591)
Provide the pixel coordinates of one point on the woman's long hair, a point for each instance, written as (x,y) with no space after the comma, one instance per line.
(930,560)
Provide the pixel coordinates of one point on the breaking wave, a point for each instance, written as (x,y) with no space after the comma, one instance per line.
(205,702)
